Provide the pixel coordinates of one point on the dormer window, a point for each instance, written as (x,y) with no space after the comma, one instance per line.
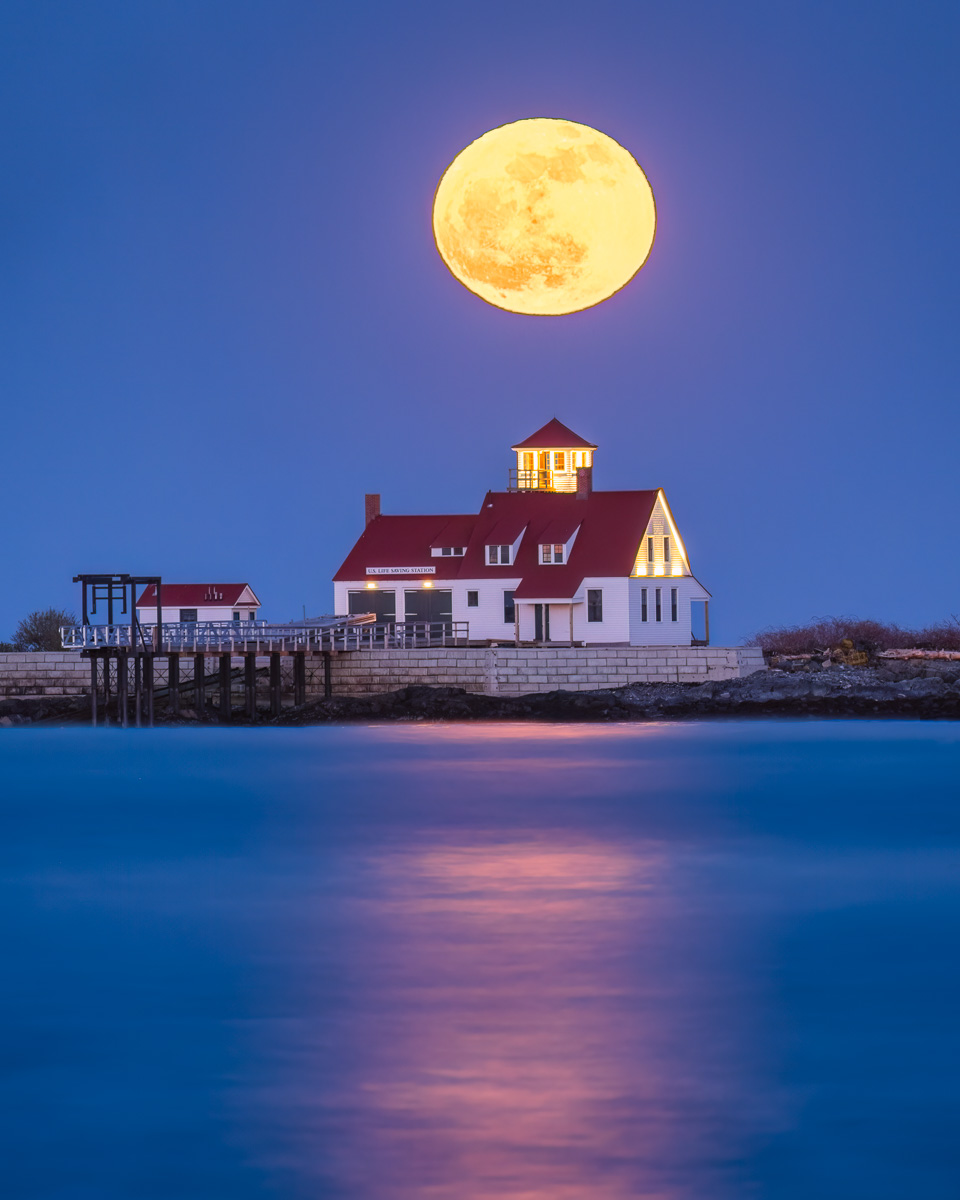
(498,556)
(456,551)
(552,553)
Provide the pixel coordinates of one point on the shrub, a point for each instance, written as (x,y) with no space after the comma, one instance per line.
(827,632)
(41,630)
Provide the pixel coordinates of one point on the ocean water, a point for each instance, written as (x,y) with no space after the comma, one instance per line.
(681,962)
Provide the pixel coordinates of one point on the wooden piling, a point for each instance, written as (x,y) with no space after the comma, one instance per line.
(148,687)
(327,677)
(250,685)
(275,703)
(137,690)
(93,690)
(123,687)
(299,679)
(225,707)
(173,688)
(199,685)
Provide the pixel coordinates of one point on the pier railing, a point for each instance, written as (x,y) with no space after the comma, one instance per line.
(260,637)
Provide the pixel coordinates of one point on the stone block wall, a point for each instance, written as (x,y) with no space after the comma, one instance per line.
(516,671)
(494,671)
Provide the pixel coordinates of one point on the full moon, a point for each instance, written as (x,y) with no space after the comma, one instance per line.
(544,217)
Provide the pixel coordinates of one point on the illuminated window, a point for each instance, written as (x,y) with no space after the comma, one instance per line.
(558,460)
(674,606)
(643,604)
(594,604)
(473,599)
(509,608)
(656,602)
(544,460)
(552,553)
(649,549)
(666,549)
(528,461)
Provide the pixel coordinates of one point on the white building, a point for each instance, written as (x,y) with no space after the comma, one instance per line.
(548,560)
(191,602)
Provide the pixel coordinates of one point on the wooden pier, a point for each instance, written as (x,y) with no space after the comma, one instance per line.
(123,657)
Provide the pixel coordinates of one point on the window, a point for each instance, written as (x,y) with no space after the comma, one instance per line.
(674,606)
(558,460)
(189,615)
(643,604)
(446,551)
(666,549)
(544,459)
(594,604)
(528,460)
(473,599)
(236,616)
(498,554)
(509,608)
(251,616)
(659,612)
(649,549)
(552,553)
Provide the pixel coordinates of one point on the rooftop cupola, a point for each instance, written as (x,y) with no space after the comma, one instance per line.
(554,459)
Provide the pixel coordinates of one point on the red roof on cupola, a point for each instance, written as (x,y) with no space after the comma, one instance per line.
(554,436)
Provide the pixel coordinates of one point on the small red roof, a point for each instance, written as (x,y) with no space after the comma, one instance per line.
(554,436)
(196,595)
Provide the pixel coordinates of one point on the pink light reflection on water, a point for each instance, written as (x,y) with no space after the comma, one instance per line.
(523,1028)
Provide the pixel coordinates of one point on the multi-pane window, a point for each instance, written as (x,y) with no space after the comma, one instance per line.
(509,608)
(473,599)
(649,549)
(657,605)
(188,614)
(643,604)
(498,555)
(666,549)
(528,460)
(454,550)
(594,604)
(552,553)
(674,605)
(559,458)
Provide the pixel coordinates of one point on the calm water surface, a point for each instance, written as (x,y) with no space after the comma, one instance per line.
(681,962)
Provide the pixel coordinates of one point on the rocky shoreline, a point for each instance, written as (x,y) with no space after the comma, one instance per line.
(918,689)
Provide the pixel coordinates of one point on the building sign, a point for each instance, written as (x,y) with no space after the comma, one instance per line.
(401,570)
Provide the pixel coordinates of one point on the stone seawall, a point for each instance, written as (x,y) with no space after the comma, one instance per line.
(518,671)
(494,671)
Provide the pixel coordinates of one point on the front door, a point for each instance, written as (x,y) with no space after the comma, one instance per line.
(541,622)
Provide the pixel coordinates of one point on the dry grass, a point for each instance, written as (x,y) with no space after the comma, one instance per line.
(827,632)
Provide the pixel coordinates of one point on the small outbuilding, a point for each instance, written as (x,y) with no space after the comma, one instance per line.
(192,602)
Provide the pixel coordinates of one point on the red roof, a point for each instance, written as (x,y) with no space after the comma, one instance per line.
(611,526)
(554,436)
(195,595)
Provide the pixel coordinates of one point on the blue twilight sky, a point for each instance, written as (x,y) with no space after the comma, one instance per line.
(223,319)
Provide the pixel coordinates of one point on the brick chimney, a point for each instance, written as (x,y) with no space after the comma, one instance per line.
(371,507)
(584,482)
